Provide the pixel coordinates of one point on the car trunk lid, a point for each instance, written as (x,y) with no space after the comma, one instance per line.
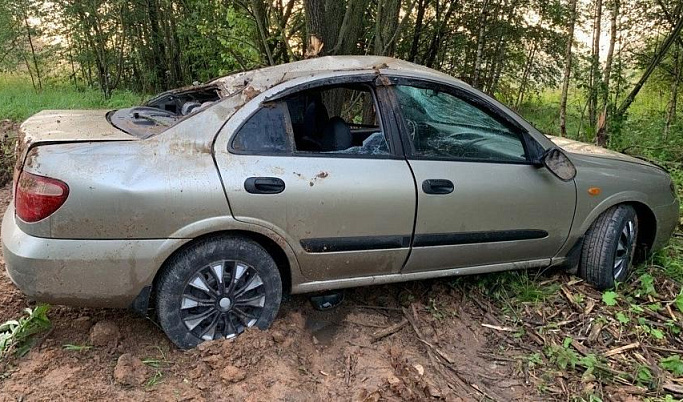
(71,126)
(59,126)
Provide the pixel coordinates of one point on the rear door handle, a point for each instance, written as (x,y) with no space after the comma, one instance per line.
(437,186)
(264,185)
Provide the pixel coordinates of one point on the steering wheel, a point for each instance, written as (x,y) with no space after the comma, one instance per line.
(412,128)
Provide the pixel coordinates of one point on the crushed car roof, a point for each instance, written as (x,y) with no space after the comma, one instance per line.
(267,77)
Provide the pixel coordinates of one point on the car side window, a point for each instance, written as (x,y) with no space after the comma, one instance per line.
(265,132)
(444,126)
(337,120)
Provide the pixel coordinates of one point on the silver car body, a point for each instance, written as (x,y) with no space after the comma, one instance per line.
(134,202)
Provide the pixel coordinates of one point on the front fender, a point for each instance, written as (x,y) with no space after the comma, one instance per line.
(609,202)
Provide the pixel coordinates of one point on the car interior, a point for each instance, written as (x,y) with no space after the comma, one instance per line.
(444,126)
(339,120)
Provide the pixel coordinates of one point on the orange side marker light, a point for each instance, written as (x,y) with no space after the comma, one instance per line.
(594,191)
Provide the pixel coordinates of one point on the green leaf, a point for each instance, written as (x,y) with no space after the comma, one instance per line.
(567,341)
(678,302)
(609,298)
(636,309)
(621,317)
(673,364)
(657,333)
(647,284)
(644,375)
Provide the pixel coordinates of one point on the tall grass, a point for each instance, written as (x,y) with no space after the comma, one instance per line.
(18,99)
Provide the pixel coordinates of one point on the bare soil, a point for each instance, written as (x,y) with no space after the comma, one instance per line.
(452,340)
(307,355)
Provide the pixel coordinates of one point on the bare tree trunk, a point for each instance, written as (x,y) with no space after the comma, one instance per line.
(33,52)
(601,131)
(525,76)
(595,65)
(439,32)
(480,43)
(419,19)
(501,48)
(157,47)
(30,73)
(388,27)
(623,108)
(673,103)
(567,69)
(332,26)
(71,61)
(259,11)
(386,23)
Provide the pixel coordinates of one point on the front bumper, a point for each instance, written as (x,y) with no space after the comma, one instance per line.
(95,273)
(667,221)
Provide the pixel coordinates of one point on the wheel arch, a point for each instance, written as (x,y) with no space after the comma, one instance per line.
(647,229)
(586,215)
(647,222)
(288,268)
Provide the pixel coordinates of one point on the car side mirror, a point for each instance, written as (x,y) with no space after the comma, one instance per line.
(559,164)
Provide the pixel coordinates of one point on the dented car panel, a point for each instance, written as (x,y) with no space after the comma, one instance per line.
(147,189)
(336,219)
(99,273)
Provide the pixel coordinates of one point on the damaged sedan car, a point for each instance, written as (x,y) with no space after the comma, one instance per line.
(206,204)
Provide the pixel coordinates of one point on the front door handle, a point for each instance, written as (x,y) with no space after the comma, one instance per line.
(437,186)
(264,185)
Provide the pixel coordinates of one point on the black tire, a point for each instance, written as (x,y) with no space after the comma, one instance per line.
(609,247)
(182,301)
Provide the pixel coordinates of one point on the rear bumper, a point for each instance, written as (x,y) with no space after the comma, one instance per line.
(667,220)
(96,273)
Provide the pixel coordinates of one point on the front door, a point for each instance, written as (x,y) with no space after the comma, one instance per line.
(319,168)
(480,200)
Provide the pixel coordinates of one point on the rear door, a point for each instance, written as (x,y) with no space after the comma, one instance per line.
(480,200)
(345,204)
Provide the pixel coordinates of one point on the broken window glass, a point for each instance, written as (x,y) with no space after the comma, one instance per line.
(442,125)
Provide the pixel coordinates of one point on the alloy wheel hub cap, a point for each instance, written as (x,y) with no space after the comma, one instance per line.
(624,250)
(224,304)
(222,299)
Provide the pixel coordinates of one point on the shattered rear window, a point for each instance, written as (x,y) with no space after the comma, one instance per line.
(164,110)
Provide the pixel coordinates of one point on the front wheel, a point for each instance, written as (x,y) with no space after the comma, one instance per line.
(609,247)
(216,289)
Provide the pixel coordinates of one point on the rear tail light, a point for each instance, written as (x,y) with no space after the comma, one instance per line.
(38,197)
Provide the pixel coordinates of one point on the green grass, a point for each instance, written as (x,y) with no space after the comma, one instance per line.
(20,100)
(76,348)
(18,335)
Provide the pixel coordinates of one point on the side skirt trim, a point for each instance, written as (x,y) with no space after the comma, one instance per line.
(318,286)
(447,239)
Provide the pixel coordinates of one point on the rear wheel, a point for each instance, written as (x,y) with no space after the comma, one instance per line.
(609,247)
(216,289)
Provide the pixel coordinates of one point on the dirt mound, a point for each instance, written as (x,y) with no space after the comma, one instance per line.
(8,137)
(258,365)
